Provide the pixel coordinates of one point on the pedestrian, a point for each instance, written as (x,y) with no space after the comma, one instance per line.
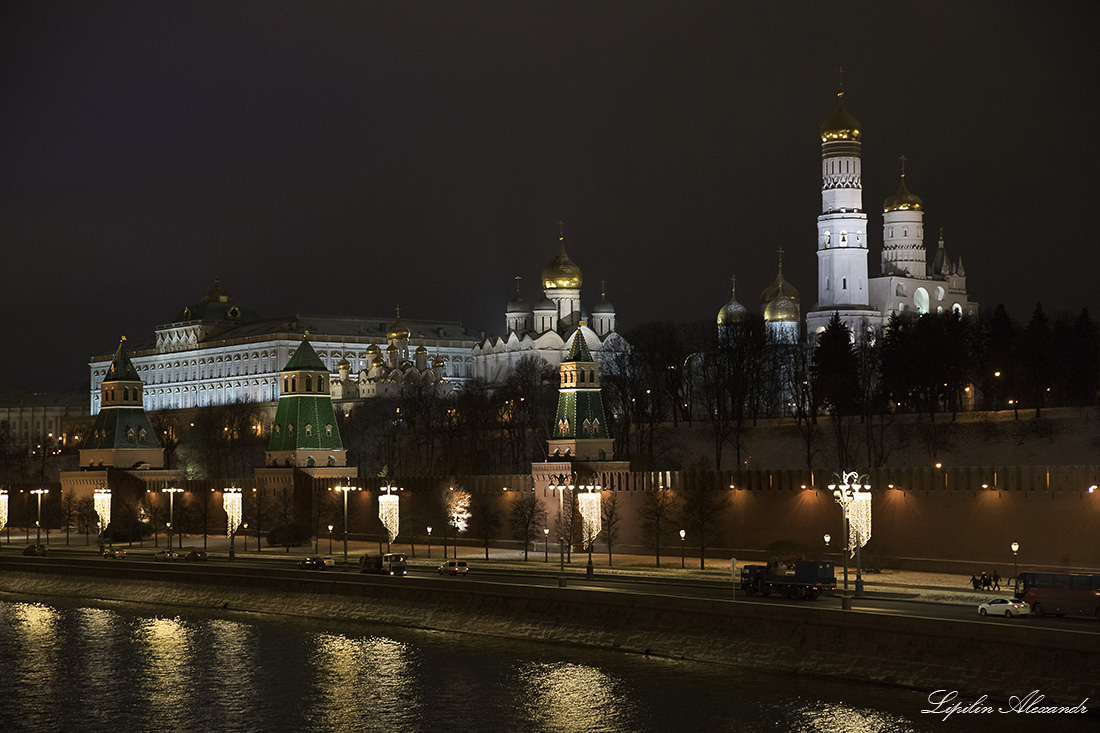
(996,580)
(977,584)
(986,582)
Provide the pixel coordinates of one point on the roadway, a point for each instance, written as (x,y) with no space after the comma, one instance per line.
(276,565)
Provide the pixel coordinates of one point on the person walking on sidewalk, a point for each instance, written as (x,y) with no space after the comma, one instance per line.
(996,580)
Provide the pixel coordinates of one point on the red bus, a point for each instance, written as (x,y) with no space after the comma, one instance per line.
(1060,594)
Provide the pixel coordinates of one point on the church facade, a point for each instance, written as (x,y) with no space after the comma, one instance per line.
(547,328)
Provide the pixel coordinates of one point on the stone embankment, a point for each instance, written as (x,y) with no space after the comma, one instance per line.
(917,652)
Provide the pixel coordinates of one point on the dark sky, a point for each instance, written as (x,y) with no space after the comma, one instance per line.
(346,157)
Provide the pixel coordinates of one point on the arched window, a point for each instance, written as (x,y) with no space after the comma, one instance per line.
(309,383)
(328,431)
(309,430)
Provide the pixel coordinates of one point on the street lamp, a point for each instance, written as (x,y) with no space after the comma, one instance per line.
(245,535)
(683,534)
(231,502)
(546,545)
(344,490)
(429,541)
(38,524)
(330,539)
(827,538)
(853,495)
(389,512)
(1015,568)
(589,504)
(171,491)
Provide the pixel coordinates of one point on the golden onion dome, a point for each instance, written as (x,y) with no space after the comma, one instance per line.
(391,349)
(841,125)
(377,362)
(561,273)
(732,312)
(373,349)
(779,287)
(343,364)
(781,310)
(398,331)
(903,200)
(438,363)
(421,350)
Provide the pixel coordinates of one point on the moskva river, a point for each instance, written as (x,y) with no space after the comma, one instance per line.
(123,668)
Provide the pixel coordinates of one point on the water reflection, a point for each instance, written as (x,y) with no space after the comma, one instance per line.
(824,717)
(165,649)
(362,679)
(572,698)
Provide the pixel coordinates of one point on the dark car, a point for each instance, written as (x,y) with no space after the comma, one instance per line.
(114,552)
(35,550)
(312,563)
(166,556)
(197,555)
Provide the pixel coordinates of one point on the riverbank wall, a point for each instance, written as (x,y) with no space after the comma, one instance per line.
(929,654)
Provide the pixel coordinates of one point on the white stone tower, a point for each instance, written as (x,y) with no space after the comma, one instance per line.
(841,228)
(903,251)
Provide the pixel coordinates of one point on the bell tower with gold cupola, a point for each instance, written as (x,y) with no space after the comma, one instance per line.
(842,227)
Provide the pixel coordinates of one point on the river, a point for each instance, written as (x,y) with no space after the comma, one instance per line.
(123,667)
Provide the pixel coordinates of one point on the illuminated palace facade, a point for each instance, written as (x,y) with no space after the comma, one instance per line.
(217,352)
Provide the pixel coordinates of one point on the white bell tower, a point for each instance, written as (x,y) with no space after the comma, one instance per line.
(841,229)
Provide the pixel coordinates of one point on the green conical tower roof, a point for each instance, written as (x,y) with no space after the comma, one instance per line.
(305,358)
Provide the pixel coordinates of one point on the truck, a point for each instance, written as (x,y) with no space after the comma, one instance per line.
(806,579)
(389,564)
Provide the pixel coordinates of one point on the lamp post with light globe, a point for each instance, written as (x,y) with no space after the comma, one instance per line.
(171,491)
(546,545)
(429,541)
(683,534)
(347,487)
(38,524)
(1015,568)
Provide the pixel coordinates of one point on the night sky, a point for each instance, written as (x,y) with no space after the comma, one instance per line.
(347,157)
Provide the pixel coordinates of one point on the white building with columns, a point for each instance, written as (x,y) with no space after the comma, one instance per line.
(216,352)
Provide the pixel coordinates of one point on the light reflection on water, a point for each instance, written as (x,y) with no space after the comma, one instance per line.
(125,668)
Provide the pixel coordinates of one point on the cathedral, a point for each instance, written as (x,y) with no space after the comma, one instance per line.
(910,280)
(547,329)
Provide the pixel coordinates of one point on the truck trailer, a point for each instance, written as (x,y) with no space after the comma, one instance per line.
(807,579)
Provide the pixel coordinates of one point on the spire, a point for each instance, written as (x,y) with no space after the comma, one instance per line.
(517,279)
(121,369)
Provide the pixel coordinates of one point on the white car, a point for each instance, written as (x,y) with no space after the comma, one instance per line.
(454,568)
(1004,607)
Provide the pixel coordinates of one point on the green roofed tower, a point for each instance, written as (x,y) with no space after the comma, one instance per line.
(122,436)
(580,428)
(305,432)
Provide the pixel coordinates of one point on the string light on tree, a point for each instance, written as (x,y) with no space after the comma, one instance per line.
(3,508)
(589,505)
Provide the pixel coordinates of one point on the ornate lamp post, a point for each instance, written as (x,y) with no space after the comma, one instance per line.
(4,512)
(429,541)
(245,535)
(389,512)
(589,504)
(330,539)
(546,545)
(231,502)
(38,524)
(171,491)
(344,490)
(683,534)
(853,495)
(1015,568)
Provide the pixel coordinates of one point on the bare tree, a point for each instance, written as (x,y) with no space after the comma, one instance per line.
(527,515)
(654,513)
(484,517)
(68,511)
(611,516)
(155,512)
(87,518)
(701,509)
